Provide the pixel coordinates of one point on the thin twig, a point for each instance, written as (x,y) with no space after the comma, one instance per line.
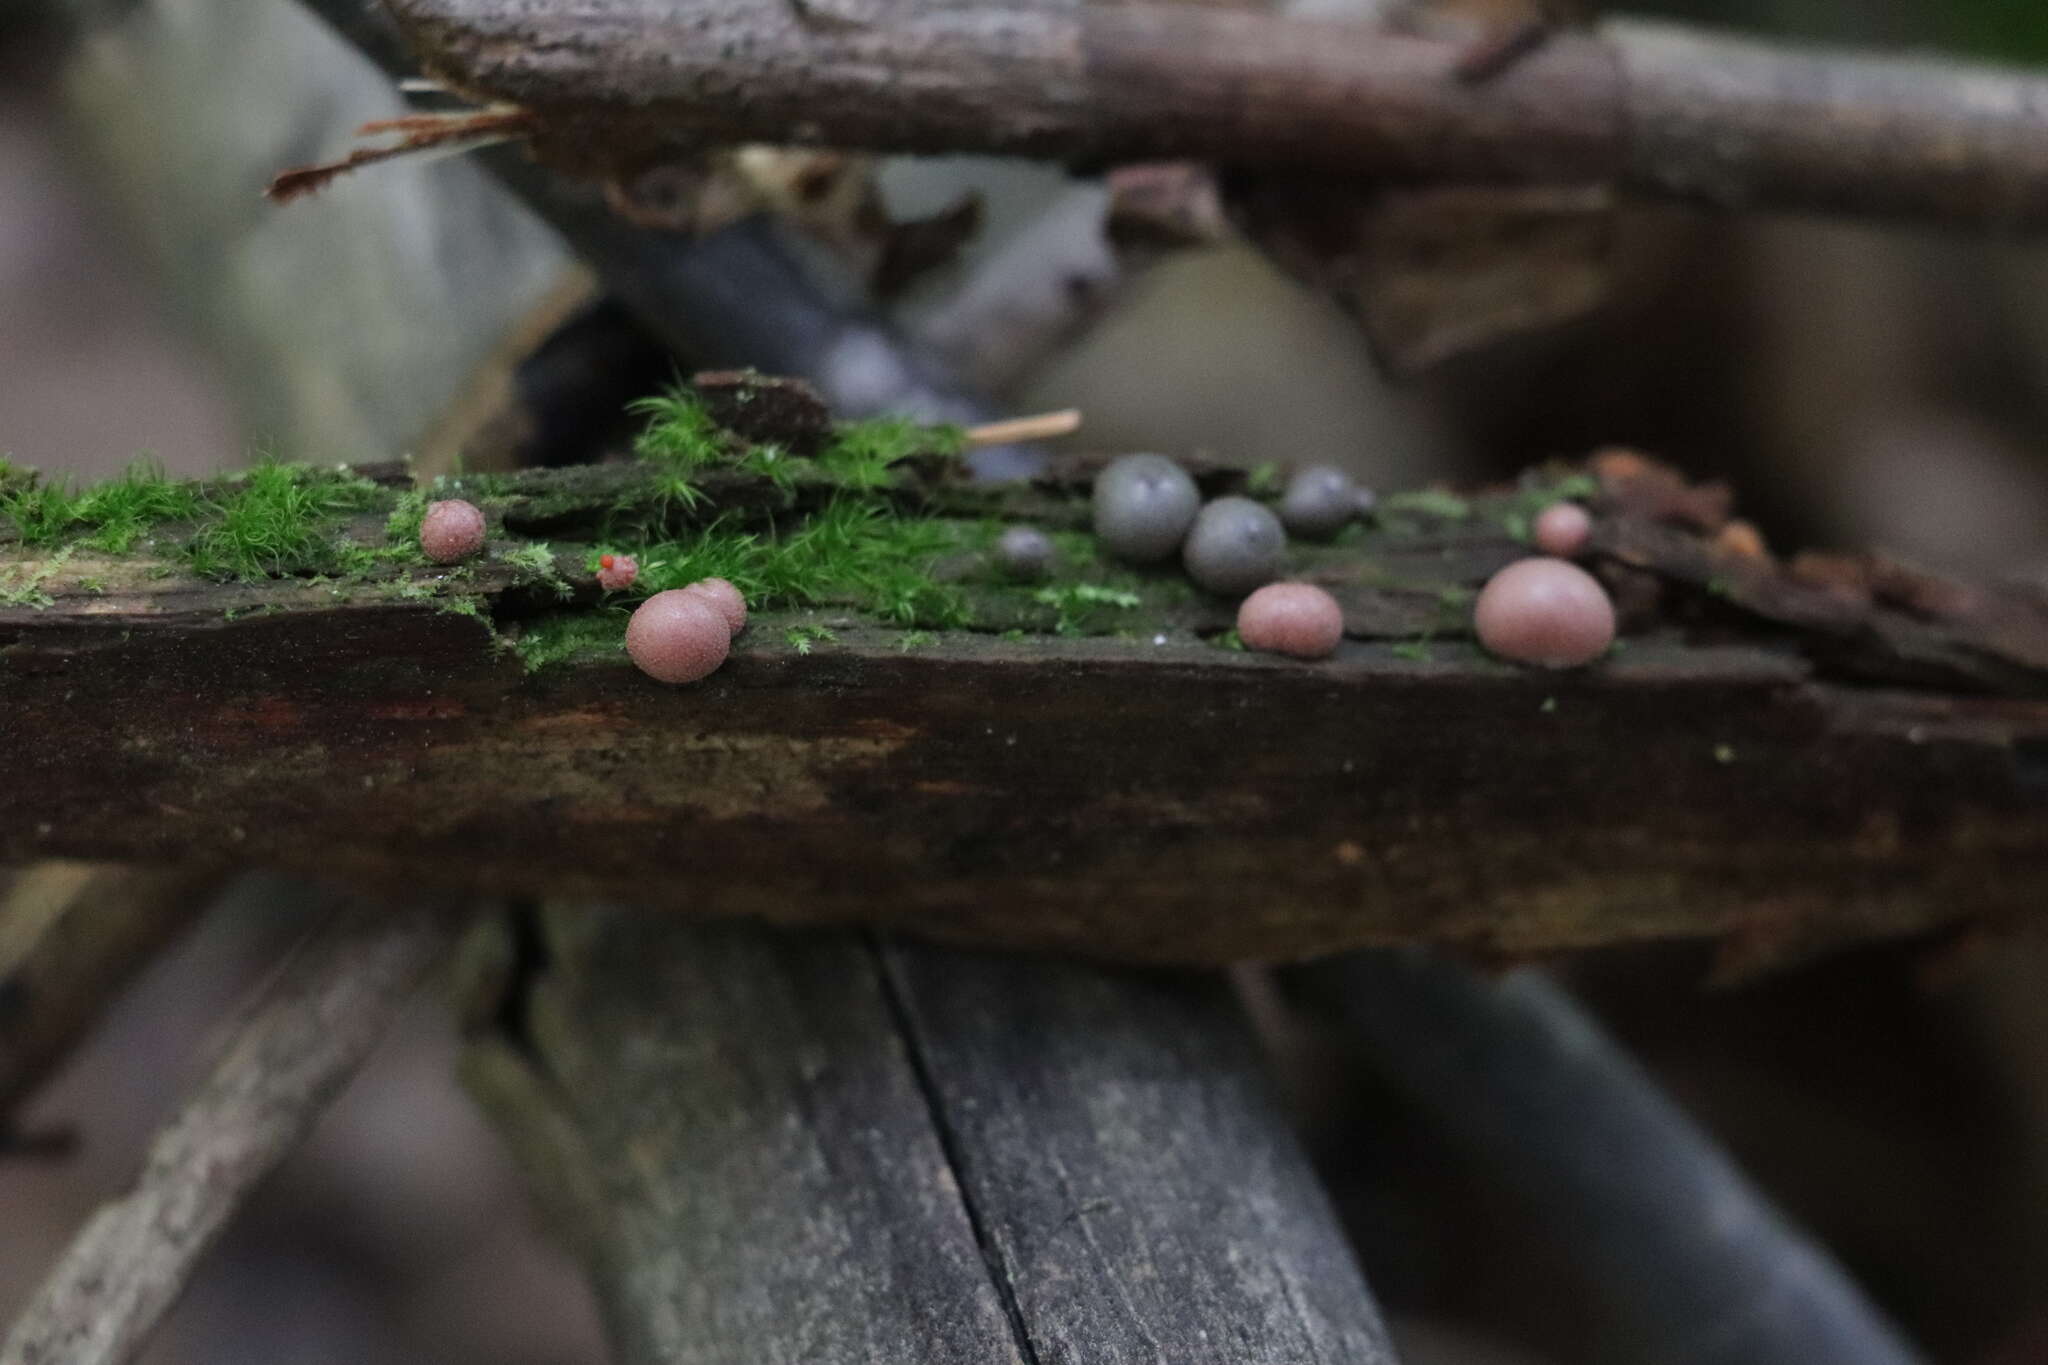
(1042,427)
(289,1057)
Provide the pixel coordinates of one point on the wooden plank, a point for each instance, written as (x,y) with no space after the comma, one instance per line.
(1141,1193)
(771,1150)
(729,1122)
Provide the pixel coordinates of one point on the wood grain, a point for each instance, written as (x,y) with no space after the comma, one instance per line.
(1650,108)
(778,1147)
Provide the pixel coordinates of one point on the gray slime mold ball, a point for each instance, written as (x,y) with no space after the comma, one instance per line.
(1319,502)
(1144,505)
(1236,545)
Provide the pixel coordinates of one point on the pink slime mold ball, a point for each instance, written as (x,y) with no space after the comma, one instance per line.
(1545,611)
(1297,619)
(451,531)
(678,637)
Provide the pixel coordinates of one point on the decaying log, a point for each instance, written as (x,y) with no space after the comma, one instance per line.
(291,1054)
(775,1148)
(1650,108)
(1786,756)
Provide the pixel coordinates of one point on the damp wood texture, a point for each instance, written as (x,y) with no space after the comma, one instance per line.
(893,1151)
(1783,755)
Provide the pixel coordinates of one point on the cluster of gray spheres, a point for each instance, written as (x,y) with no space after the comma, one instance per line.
(1147,509)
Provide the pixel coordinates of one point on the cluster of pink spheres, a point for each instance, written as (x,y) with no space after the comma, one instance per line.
(684,634)
(1544,610)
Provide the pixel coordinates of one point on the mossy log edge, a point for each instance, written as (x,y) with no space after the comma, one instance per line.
(1177,802)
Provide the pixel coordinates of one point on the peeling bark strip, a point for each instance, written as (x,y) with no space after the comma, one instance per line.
(1656,109)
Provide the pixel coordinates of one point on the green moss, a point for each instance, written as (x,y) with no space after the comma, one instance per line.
(861,453)
(1415,651)
(402,527)
(21,585)
(279,520)
(802,638)
(537,560)
(40,511)
(1229,640)
(679,439)
(558,639)
(916,639)
(679,430)
(1077,603)
(855,551)
(109,516)
(774,464)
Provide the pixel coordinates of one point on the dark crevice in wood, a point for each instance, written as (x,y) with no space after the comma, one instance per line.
(531,959)
(2030,766)
(914,1048)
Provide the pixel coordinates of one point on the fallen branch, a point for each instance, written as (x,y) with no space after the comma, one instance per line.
(1786,756)
(71,936)
(1655,109)
(739,296)
(292,1054)
(1687,1258)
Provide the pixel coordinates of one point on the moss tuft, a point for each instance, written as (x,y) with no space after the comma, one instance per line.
(278,520)
(21,585)
(853,551)
(679,430)
(402,527)
(558,639)
(109,516)
(1077,603)
(802,638)
(537,560)
(861,453)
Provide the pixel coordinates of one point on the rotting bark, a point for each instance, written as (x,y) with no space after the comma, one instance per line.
(796,1147)
(1650,108)
(1788,756)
